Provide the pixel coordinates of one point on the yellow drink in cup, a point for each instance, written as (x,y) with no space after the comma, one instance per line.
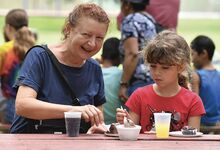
(162,124)
(162,130)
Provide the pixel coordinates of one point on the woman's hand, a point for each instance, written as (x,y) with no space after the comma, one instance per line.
(101,128)
(92,114)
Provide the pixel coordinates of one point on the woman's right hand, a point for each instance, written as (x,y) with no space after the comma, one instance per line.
(92,114)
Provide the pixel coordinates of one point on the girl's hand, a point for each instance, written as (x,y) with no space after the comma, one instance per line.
(120,114)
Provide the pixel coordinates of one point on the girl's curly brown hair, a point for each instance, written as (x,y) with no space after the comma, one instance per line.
(171,49)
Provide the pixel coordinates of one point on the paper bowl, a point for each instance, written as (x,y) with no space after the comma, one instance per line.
(128,133)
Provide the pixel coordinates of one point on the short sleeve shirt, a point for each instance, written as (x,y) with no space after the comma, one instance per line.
(144,102)
(39,73)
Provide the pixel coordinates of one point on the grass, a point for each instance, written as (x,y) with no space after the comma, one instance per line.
(189,29)
(49,29)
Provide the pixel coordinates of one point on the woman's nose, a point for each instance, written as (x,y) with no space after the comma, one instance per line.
(91,42)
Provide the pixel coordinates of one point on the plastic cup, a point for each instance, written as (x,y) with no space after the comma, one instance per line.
(162,124)
(72,122)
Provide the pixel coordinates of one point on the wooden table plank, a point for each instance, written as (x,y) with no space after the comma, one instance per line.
(143,137)
(102,142)
(108,145)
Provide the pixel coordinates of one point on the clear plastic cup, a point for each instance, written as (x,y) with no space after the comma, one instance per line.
(162,124)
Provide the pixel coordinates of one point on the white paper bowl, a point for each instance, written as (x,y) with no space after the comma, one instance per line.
(128,133)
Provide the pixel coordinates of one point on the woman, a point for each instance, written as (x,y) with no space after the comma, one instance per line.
(43,97)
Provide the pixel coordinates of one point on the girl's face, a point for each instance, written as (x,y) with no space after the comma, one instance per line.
(86,38)
(164,75)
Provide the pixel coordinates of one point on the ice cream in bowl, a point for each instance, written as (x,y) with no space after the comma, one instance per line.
(128,130)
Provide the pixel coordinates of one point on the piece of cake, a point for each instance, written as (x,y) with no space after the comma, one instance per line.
(187,130)
(113,129)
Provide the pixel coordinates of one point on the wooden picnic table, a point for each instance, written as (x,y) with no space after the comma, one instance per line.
(102,142)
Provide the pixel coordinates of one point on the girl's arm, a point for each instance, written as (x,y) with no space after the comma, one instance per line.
(134,117)
(194,121)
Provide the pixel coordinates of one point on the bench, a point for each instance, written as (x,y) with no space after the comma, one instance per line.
(210,129)
(4,128)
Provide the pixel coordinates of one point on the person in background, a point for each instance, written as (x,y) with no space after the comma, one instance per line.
(137,29)
(168,55)
(110,60)
(206,79)
(43,97)
(164,12)
(23,40)
(14,20)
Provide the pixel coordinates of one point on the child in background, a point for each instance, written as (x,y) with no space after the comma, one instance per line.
(110,60)
(168,56)
(23,40)
(13,21)
(206,79)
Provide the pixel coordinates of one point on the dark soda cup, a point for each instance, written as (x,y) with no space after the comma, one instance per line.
(72,121)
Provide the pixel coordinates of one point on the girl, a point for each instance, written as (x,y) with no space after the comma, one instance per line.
(168,56)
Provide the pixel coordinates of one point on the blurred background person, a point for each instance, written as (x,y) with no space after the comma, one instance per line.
(23,40)
(165,12)
(206,79)
(136,31)
(110,59)
(15,19)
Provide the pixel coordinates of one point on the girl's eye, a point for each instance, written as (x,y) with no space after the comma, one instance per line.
(165,67)
(152,66)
